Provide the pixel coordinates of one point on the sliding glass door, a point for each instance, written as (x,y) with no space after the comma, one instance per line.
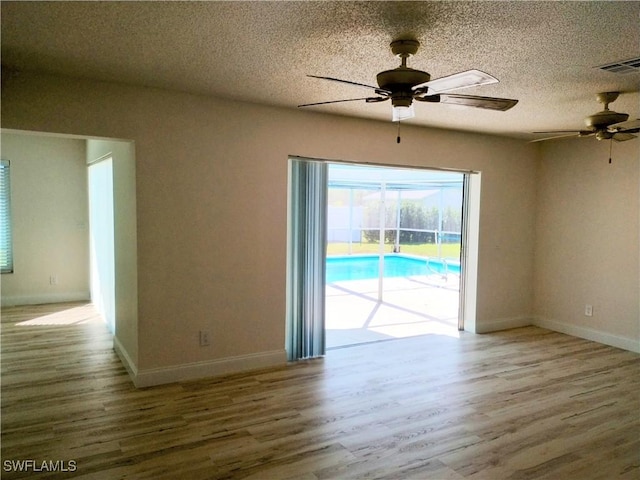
(395,257)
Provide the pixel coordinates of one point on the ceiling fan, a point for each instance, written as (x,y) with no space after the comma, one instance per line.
(605,125)
(402,85)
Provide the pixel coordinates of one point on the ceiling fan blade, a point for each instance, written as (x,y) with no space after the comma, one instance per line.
(576,134)
(580,133)
(623,136)
(561,131)
(469,78)
(366,99)
(378,90)
(490,103)
(630,126)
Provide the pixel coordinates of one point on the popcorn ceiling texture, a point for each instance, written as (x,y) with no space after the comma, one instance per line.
(543,53)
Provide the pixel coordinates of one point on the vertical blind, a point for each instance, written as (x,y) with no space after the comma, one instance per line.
(6,243)
(306,258)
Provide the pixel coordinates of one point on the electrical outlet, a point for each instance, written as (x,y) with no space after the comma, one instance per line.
(204,338)
(588,310)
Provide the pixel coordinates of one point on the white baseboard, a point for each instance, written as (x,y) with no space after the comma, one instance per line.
(503,324)
(193,371)
(224,366)
(42,298)
(625,343)
(125,358)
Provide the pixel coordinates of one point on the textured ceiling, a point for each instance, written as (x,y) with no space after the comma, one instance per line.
(543,53)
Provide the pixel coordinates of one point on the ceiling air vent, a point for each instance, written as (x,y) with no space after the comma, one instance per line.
(624,66)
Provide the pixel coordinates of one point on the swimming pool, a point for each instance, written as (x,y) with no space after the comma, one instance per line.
(361,267)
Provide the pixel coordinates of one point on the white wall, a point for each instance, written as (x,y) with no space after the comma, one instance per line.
(125,261)
(50,220)
(211,182)
(587,247)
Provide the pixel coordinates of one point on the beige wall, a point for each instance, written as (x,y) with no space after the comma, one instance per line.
(211,181)
(588,240)
(49,218)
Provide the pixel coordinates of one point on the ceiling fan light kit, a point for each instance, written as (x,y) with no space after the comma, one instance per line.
(402,85)
(402,112)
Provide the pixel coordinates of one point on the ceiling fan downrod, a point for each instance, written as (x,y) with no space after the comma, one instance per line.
(606,98)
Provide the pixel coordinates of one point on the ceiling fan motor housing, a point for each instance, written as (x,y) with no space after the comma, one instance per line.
(399,82)
(603,119)
(599,122)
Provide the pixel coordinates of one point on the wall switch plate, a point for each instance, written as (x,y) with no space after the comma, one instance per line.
(588,310)
(204,338)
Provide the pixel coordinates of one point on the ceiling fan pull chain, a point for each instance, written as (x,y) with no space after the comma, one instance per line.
(610,145)
(398,139)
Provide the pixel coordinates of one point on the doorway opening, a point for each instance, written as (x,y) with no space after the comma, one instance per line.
(391,237)
(77,227)
(393,266)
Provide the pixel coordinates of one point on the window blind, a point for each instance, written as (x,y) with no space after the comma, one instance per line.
(306,258)
(6,243)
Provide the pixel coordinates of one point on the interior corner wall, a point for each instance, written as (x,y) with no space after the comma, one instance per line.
(125,243)
(49,205)
(211,201)
(588,240)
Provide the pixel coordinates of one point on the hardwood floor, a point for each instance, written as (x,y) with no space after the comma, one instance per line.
(521,404)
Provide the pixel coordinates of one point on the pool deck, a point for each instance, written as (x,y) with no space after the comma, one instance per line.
(411,306)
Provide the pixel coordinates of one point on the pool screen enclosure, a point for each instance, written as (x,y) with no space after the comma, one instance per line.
(382,210)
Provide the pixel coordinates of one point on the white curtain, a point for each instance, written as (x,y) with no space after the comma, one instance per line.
(305,337)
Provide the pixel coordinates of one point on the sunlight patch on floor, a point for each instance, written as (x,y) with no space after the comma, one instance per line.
(81,315)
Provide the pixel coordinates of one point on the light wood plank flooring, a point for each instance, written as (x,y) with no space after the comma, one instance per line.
(522,404)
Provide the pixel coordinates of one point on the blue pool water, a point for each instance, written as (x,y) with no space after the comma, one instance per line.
(360,267)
